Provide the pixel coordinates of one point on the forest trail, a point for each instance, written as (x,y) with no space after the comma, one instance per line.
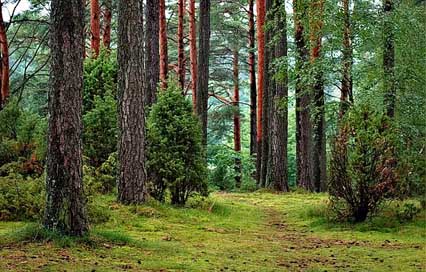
(228,232)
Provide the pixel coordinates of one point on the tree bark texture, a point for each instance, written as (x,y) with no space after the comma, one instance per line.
(107,21)
(203,66)
(319,165)
(65,203)
(164,59)
(237,120)
(152,57)
(131,149)
(193,51)
(303,101)
(181,45)
(261,14)
(389,59)
(346,97)
(252,76)
(279,122)
(4,66)
(95,27)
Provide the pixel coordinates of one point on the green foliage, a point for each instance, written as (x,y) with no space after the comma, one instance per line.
(100,130)
(21,198)
(175,152)
(408,212)
(363,163)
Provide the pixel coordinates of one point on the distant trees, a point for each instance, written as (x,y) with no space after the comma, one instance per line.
(193,51)
(131,96)
(252,76)
(389,58)
(152,57)
(65,209)
(164,60)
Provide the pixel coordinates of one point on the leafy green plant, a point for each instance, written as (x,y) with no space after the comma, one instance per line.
(175,153)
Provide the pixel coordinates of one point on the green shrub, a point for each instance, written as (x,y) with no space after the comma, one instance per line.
(363,162)
(175,152)
(21,199)
(407,212)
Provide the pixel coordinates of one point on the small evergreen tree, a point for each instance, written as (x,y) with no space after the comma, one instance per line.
(175,150)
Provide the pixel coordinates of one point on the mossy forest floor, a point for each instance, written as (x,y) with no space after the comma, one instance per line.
(229,232)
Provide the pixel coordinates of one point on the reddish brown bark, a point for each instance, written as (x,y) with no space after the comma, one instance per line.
(164,62)
(237,120)
(5,89)
(107,24)
(193,51)
(181,47)
(95,27)
(252,75)
(261,14)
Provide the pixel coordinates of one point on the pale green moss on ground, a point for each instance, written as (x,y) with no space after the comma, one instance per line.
(229,232)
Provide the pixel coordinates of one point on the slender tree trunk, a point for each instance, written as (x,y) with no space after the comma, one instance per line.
(279,122)
(164,59)
(152,59)
(181,46)
(252,75)
(261,14)
(203,66)
(95,27)
(193,51)
(107,24)
(237,120)
(389,59)
(65,204)
(4,76)
(346,88)
(131,149)
(303,100)
(319,159)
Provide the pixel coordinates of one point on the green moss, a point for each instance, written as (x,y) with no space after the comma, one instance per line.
(229,232)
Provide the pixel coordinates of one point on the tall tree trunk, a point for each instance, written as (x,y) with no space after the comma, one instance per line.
(237,120)
(181,46)
(203,66)
(131,149)
(261,14)
(279,122)
(95,27)
(65,204)
(107,24)
(346,88)
(152,59)
(4,66)
(319,159)
(164,59)
(268,90)
(193,51)
(389,59)
(252,75)
(303,100)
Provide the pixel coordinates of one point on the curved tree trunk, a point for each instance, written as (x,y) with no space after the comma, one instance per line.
(65,202)
(193,51)
(152,59)
(4,76)
(252,75)
(95,27)
(131,149)
(237,120)
(303,101)
(203,66)
(164,60)
(107,24)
